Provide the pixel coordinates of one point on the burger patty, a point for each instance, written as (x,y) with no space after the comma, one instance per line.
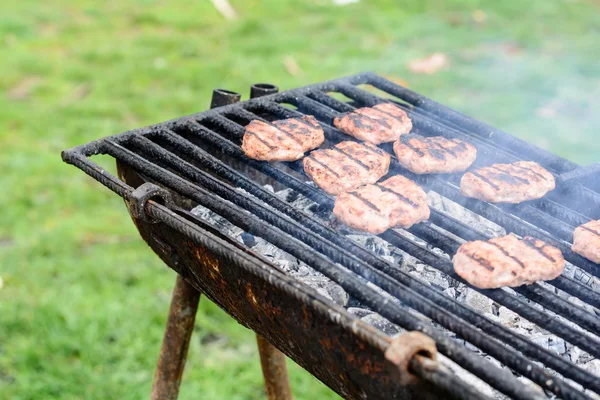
(586,241)
(507,261)
(431,155)
(283,140)
(508,183)
(346,166)
(379,124)
(395,202)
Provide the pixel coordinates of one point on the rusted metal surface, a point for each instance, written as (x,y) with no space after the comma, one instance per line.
(272,361)
(403,349)
(341,351)
(173,352)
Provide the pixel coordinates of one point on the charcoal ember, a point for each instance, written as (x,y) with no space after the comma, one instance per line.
(327,288)
(373,243)
(382,324)
(218,222)
(359,312)
(579,356)
(477,301)
(450,292)
(508,318)
(551,342)
(467,216)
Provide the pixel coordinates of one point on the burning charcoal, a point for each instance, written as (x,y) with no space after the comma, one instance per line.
(593,367)
(359,312)
(327,288)
(248,239)
(477,301)
(382,324)
(507,317)
(551,342)
(451,292)
(467,216)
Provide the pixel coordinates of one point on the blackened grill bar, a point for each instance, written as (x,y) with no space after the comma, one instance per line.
(169,154)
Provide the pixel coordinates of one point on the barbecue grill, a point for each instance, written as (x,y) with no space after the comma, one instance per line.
(167,170)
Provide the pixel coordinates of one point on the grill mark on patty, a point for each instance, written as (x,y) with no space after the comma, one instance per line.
(305,122)
(399,119)
(507,173)
(529,170)
(433,152)
(460,144)
(413,148)
(367,202)
(507,254)
(531,243)
(286,133)
(482,261)
(352,158)
(375,121)
(486,180)
(444,148)
(312,158)
(595,232)
(401,197)
(374,149)
(270,146)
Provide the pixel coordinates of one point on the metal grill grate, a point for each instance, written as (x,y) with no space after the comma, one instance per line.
(185,155)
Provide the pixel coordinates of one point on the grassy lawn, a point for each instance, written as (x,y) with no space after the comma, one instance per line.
(82,300)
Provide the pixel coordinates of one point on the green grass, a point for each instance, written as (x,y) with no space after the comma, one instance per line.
(84,301)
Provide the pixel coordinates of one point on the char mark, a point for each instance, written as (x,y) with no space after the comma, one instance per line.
(373,148)
(323,165)
(507,254)
(367,202)
(595,232)
(531,243)
(286,133)
(529,170)
(486,180)
(446,149)
(270,146)
(401,197)
(410,146)
(375,121)
(351,158)
(305,122)
(509,176)
(481,261)
(389,114)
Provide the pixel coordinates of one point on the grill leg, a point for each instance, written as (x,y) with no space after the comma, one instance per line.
(178,332)
(277,384)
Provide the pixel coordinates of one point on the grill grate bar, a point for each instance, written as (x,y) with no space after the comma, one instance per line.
(269,229)
(497,330)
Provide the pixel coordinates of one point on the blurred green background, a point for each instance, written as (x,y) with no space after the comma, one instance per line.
(83,301)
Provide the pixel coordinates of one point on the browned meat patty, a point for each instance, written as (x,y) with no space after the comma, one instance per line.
(434,155)
(586,241)
(395,202)
(508,183)
(507,261)
(346,166)
(283,140)
(379,124)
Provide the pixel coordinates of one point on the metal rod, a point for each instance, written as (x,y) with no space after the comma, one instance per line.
(222,97)
(262,89)
(277,384)
(173,352)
